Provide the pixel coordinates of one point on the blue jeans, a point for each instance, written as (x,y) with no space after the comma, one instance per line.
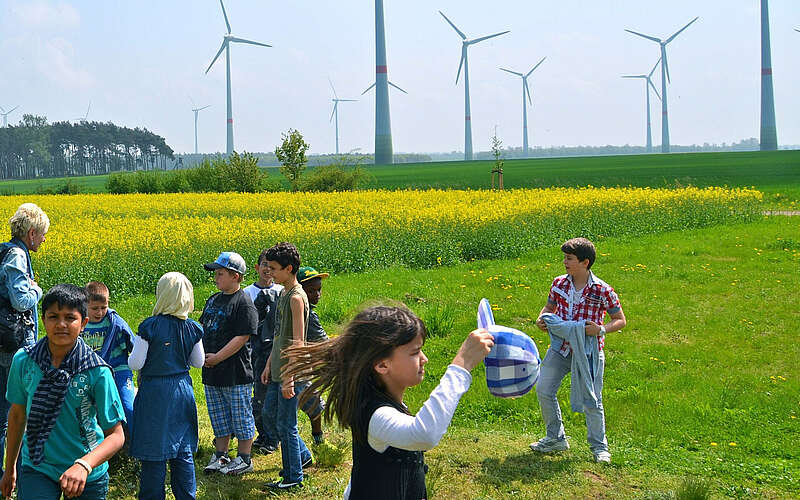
(124,382)
(153,476)
(280,414)
(33,485)
(553,370)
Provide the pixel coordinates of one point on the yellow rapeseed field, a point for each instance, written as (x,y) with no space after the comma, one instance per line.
(129,240)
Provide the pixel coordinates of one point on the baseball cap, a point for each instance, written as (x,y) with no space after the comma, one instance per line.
(512,366)
(228,260)
(306,273)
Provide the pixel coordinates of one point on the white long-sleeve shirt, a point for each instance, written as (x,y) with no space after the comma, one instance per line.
(138,354)
(423,431)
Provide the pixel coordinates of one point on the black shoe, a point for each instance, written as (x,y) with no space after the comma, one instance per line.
(282,485)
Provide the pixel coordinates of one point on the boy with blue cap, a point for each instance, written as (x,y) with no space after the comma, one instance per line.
(229,319)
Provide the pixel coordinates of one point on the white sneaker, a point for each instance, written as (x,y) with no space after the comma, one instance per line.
(237,467)
(216,464)
(602,457)
(548,444)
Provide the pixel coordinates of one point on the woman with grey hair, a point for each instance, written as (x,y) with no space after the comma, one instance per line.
(18,289)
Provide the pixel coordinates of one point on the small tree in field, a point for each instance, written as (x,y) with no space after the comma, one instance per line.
(497,152)
(292,155)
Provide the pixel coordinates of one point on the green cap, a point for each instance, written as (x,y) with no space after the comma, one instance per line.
(306,273)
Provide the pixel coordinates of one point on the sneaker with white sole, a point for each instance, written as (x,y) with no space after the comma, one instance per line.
(282,484)
(216,464)
(548,444)
(602,457)
(237,467)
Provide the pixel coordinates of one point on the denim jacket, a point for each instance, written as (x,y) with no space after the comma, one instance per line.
(16,276)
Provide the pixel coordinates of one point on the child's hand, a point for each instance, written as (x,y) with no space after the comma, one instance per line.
(592,329)
(541,324)
(475,347)
(8,482)
(211,360)
(73,480)
(265,374)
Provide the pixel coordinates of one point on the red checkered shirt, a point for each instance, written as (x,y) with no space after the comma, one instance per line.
(598,298)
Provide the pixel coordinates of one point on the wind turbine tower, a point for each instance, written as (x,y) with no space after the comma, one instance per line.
(196,111)
(383,121)
(664,79)
(465,43)
(525,92)
(226,41)
(5,114)
(648,83)
(769,133)
(335,113)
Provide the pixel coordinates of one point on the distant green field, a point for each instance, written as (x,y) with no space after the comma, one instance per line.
(777,174)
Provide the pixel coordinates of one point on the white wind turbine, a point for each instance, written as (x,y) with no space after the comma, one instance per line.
(196,111)
(648,83)
(525,92)
(84,118)
(226,41)
(335,112)
(5,114)
(465,43)
(664,79)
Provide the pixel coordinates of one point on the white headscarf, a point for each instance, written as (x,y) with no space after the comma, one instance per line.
(174,296)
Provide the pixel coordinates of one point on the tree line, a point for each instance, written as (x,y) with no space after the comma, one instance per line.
(35,148)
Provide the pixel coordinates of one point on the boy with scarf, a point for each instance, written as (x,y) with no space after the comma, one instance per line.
(66,395)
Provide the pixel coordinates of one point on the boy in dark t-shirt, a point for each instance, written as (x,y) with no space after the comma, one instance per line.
(229,319)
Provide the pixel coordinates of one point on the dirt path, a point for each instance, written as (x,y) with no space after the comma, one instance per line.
(782,212)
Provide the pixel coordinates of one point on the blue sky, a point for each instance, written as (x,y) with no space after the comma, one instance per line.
(138,62)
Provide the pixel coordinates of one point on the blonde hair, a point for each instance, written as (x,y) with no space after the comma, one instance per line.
(28,216)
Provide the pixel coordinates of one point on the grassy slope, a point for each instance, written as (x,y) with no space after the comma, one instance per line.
(709,356)
(775,173)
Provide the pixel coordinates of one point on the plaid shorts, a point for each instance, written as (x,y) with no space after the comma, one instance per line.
(231,411)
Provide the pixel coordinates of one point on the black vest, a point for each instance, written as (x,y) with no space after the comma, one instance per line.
(393,474)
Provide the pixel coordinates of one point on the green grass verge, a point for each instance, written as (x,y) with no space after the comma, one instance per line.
(777,174)
(702,384)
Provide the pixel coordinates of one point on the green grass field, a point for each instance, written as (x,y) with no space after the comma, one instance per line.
(701,388)
(777,174)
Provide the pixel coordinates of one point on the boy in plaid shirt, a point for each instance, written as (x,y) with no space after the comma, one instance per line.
(578,295)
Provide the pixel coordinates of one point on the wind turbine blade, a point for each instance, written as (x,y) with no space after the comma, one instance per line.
(462,35)
(512,72)
(368,89)
(797,30)
(2,110)
(666,66)
(224,43)
(333,111)
(204,107)
(537,65)
(347,100)
(528,91)
(398,88)
(461,62)
(654,68)
(488,37)
(658,40)
(242,40)
(226,16)
(192,101)
(679,31)
(15,107)
(654,88)
(334,90)
(633,76)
